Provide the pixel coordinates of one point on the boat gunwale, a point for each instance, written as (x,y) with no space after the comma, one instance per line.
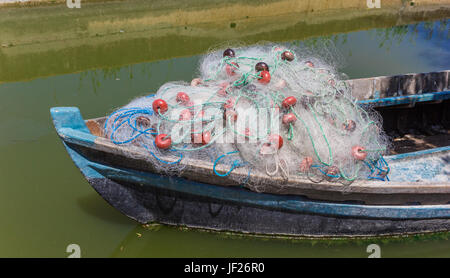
(193,167)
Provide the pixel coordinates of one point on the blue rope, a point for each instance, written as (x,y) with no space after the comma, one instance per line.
(325,173)
(246,179)
(381,174)
(125,115)
(236,163)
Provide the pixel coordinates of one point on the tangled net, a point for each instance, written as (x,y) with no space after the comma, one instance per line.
(265,108)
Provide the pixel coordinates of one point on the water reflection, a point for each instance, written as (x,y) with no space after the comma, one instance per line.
(103,37)
(425,47)
(151,241)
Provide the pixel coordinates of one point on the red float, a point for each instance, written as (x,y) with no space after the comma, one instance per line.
(183,98)
(287,55)
(289,118)
(185,115)
(206,137)
(231,70)
(276,140)
(359,152)
(310,64)
(289,101)
(160,106)
(306,164)
(163,141)
(265,77)
(195,82)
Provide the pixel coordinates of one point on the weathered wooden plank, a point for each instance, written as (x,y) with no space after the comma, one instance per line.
(399,85)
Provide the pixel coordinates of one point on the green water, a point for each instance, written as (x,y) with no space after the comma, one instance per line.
(45,203)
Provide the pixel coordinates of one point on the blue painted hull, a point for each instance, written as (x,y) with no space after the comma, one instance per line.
(149,197)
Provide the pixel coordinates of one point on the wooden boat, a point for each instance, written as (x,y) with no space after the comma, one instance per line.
(414,202)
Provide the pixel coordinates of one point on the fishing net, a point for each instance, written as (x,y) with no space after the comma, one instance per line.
(268,109)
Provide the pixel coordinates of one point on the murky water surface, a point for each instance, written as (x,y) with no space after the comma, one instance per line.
(46,204)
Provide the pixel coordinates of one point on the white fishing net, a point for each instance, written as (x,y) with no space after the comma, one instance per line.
(269,109)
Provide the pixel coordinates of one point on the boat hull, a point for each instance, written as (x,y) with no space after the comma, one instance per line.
(150,197)
(172,208)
